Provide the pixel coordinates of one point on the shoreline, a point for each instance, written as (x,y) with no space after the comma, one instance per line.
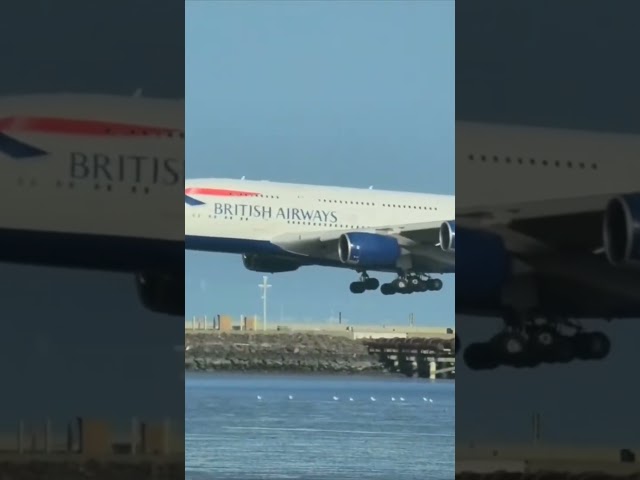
(298,373)
(292,375)
(291,353)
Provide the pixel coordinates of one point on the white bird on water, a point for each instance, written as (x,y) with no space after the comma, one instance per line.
(290,397)
(259,397)
(373,399)
(335,398)
(402,399)
(393,399)
(351,399)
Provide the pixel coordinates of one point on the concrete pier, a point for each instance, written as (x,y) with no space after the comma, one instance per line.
(424,357)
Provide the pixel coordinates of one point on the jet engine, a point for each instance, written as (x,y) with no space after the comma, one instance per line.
(368,250)
(162,292)
(448,236)
(483,267)
(269,264)
(621,229)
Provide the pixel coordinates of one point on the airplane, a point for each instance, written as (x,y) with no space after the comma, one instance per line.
(280,227)
(88,182)
(556,242)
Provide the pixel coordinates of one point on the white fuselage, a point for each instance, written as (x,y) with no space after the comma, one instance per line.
(262,210)
(107,162)
(92,181)
(505,165)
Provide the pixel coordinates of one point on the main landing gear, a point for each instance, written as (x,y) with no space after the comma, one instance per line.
(405,284)
(528,341)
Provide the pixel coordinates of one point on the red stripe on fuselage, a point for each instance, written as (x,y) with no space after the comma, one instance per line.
(80,127)
(218,192)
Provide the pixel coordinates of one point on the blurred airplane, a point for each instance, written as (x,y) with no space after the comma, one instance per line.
(95,182)
(550,234)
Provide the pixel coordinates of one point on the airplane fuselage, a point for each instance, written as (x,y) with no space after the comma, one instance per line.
(499,165)
(89,170)
(94,182)
(243,216)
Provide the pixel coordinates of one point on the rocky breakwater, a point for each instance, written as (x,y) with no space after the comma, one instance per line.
(286,352)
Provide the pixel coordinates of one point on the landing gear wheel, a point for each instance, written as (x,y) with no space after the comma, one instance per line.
(563,350)
(512,348)
(387,289)
(542,341)
(434,284)
(365,283)
(400,285)
(371,283)
(511,343)
(414,283)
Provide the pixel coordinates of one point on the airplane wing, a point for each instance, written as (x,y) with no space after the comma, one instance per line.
(420,240)
(548,225)
(560,240)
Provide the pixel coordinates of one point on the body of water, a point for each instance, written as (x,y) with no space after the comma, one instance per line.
(318,428)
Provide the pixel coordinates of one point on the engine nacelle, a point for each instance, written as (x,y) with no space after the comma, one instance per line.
(448,236)
(368,250)
(269,264)
(162,292)
(621,229)
(483,267)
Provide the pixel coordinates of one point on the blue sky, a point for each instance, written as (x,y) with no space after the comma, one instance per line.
(335,93)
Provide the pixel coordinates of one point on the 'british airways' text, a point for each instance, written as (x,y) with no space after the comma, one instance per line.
(261,211)
(125,168)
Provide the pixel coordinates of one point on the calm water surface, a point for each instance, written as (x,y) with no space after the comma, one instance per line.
(318,428)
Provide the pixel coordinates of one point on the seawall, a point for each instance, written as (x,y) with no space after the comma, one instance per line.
(292,352)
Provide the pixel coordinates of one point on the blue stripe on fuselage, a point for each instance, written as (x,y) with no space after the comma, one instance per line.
(192,201)
(93,252)
(232,245)
(256,247)
(18,150)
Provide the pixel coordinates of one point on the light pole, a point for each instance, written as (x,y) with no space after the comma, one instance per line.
(264,285)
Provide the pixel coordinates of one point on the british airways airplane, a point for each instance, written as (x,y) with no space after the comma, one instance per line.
(564,246)
(95,181)
(280,227)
